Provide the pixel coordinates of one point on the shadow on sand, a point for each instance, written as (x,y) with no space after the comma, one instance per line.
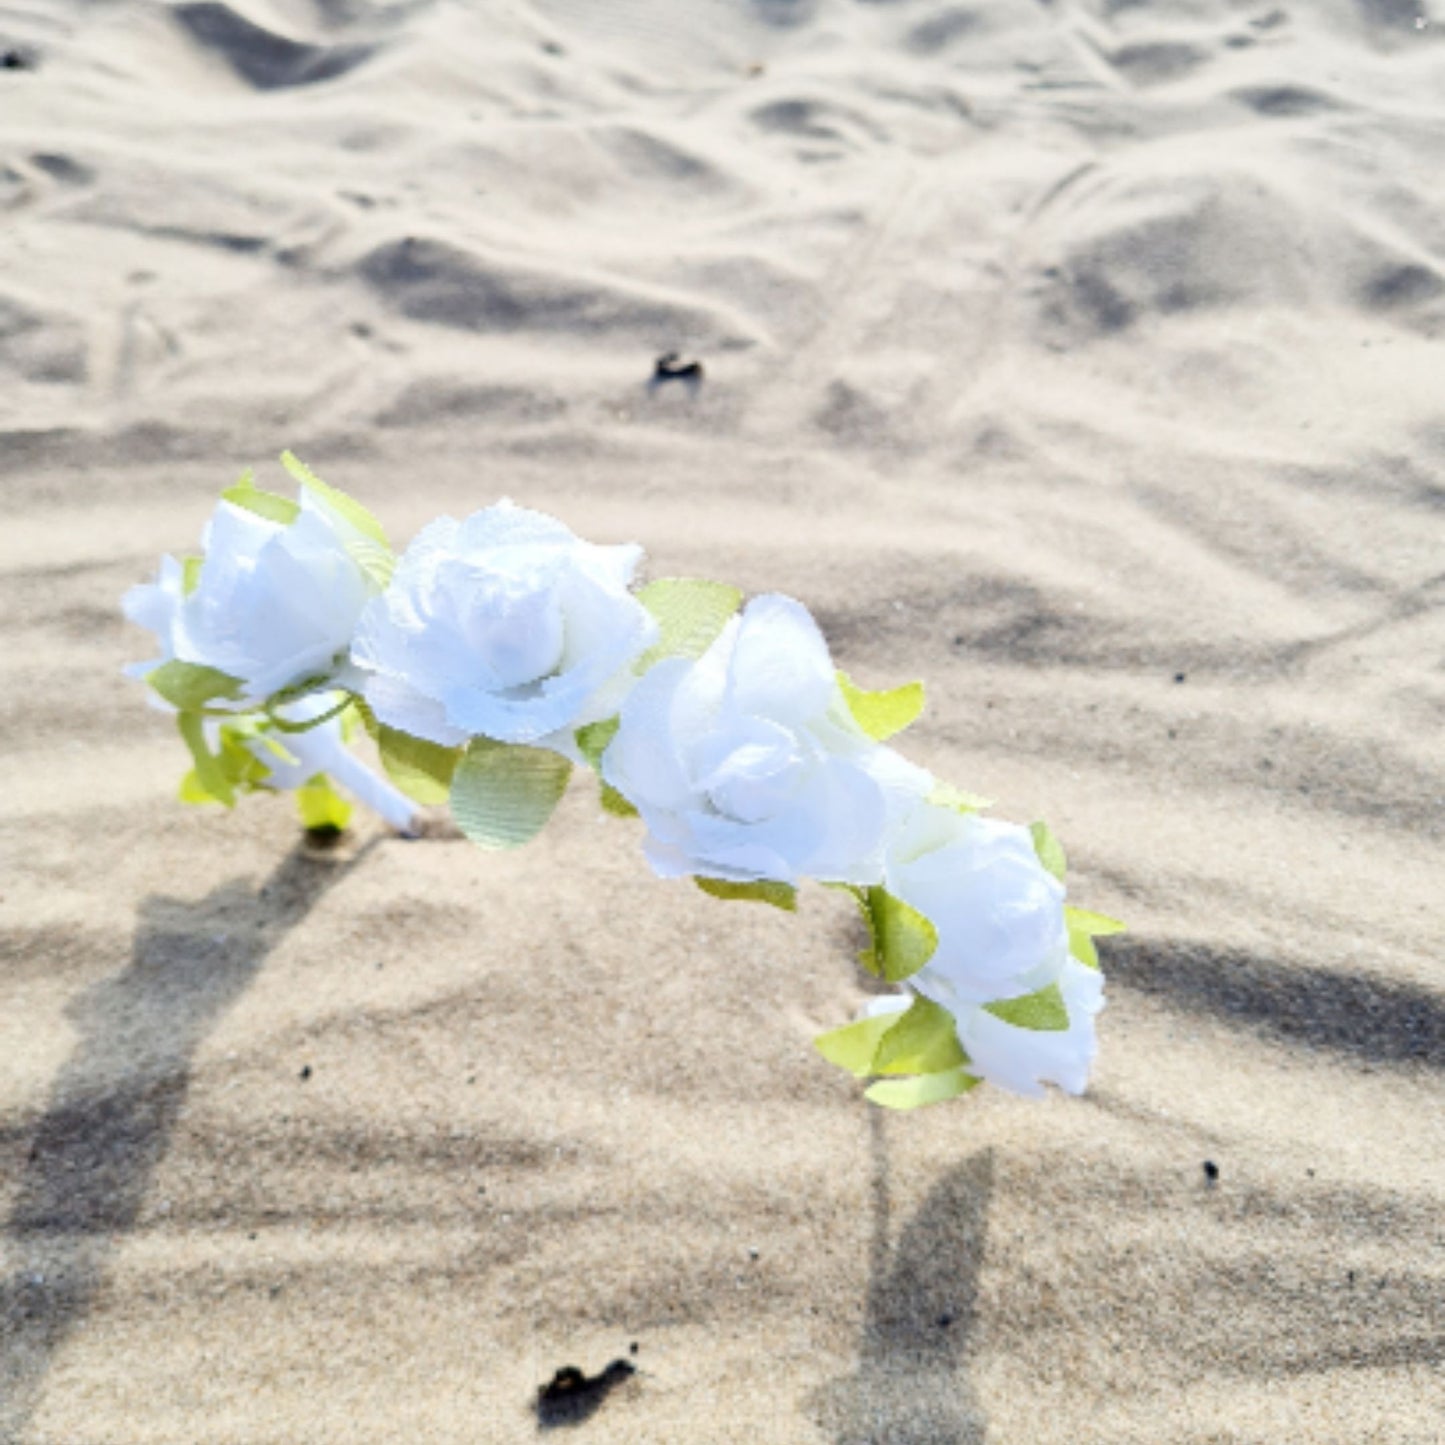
(912,1386)
(113,1106)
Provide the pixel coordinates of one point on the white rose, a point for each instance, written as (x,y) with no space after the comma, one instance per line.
(1002,934)
(747,764)
(505,626)
(274,604)
(998,912)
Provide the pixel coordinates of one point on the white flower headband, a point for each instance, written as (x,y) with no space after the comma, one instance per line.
(497,653)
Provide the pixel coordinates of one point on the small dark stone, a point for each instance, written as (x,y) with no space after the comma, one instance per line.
(1211,1170)
(305,1072)
(553,48)
(15,60)
(944,1320)
(1179,677)
(632,1348)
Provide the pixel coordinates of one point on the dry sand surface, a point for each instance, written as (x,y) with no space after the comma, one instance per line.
(1084,358)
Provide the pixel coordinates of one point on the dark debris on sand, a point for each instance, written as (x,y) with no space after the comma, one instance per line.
(571,1396)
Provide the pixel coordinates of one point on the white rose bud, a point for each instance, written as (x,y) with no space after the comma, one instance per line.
(504,626)
(747,764)
(1002,934)
(275,604)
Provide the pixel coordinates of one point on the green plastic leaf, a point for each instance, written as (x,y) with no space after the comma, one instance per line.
(855,1046)
(1084,928)
(613,802)
(592,740)
(422,770)
(191,573)
(503,795)
(882,714)
(188,686)
(210,776)
(945,796)
(1081,946)
(321,807)
(780,895)
(925,1089)
(1097,925)
(1050,850)
(270,505)
(367,544)
(923,1040)
(193,791)
(690,614)
(903,939)
(1044,1011)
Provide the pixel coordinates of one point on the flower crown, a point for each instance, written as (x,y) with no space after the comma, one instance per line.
(498,653)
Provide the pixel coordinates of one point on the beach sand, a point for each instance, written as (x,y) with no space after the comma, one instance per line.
(1082,358)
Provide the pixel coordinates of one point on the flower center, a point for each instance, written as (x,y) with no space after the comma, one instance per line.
(515,628)
(752,772)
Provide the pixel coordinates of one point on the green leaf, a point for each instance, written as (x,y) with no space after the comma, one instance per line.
(1097,925)
(422,770)
(191,573)
(210,776)
(321,807)
(945,796)
(503,795)
(192,790)
(903,939)
(1084,928)
(924,1040)
(925,1089)
(367,544)
(780,895)
(855,1045)
(1081,946)
(189,687)
(1043,1011)
(270,505)
(690,614)
(592,740)
(1050,850)
(882,714)
(613,802)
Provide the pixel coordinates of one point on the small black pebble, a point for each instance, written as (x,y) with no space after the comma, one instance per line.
(1211,1170)
(14,60)
(305,1072)
(632,1348)
(1178,677)
(1351,1278)
(944,1320)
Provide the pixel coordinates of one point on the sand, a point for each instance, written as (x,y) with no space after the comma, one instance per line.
(1081,358)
